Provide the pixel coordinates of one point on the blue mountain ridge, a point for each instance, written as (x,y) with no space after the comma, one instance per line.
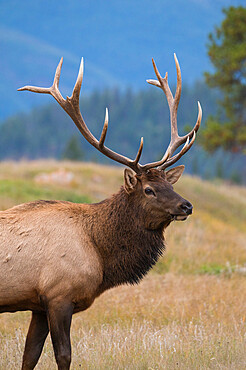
(117,39)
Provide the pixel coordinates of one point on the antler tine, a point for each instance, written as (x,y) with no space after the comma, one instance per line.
(57,75)
(174,107)
(104,130)
(197,125)
(179,84)
(52,90)
(163,84)
(136,160)
(74,99)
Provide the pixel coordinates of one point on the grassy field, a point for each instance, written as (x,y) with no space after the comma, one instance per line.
(189,313)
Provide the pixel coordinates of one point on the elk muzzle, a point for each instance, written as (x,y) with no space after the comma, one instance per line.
(184,209)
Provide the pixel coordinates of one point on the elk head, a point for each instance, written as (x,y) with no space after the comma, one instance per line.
(154,194)
(150,183)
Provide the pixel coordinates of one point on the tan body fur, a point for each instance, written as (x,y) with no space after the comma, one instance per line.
(48,250)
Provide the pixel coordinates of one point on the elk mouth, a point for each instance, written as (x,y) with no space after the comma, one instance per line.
(179,217)
(183,211)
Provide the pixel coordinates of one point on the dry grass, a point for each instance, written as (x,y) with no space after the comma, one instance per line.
(189,313)
(166,322)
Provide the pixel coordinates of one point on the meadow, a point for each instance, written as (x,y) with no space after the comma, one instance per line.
(188,313)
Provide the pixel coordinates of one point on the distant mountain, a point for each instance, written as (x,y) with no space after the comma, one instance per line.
(116,37)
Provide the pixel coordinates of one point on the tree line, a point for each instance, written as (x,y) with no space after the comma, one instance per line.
(47,132)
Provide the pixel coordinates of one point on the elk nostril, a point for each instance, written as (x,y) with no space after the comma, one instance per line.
(186,207)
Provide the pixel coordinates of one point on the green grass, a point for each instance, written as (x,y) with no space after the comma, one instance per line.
(20,191)
(212,269)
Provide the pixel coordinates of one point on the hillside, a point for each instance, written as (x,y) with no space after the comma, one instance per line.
(189,313)
(117,39)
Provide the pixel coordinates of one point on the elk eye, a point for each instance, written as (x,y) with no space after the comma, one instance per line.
(149,191)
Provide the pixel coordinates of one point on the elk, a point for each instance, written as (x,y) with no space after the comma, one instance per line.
(56,257)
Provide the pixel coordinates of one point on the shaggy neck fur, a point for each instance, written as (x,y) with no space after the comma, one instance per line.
(128,249)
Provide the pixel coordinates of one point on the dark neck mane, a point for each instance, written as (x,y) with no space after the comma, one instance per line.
(127,248)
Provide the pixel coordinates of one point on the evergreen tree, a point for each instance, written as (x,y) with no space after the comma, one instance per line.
(227,52)
(73,150)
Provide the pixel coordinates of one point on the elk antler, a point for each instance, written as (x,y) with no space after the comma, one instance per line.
(71,107)
(173,102)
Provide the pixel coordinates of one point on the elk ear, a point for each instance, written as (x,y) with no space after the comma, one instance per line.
(174,174)
(130,180)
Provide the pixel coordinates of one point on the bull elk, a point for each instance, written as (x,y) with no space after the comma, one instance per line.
(56,257)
